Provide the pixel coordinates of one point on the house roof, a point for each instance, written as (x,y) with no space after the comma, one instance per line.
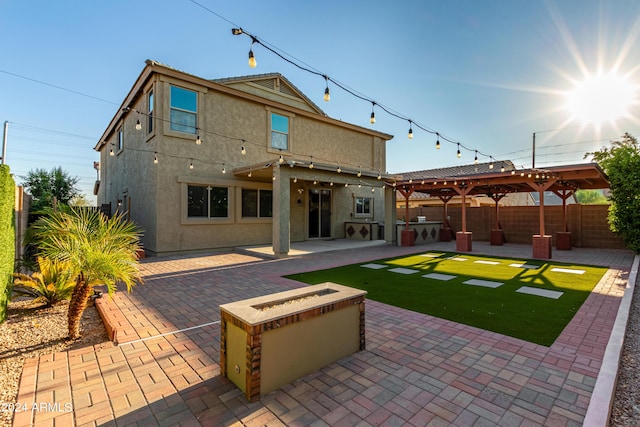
(234,87)
(267,80)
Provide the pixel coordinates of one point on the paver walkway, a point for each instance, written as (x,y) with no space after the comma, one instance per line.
(417,370)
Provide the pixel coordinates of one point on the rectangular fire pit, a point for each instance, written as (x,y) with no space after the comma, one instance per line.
(270,341)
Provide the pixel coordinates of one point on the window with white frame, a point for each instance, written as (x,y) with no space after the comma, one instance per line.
(184,110)
(150,112)
(364,206)
(120,142)
(207,202)
(257,203)
(279,132)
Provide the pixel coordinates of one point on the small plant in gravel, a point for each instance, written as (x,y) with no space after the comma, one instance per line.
(53,283)
(102,250)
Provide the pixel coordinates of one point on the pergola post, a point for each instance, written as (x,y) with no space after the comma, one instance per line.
(542,241)
(446,235)
(563,238)
(408,237)
(497,235)
(464,237)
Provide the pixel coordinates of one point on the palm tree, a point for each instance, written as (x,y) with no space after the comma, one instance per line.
(102,250)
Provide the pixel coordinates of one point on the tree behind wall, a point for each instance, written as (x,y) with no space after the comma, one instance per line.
(7,237)
(45,186)
(621,162)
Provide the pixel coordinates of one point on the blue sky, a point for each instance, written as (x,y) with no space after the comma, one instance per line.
(487,74)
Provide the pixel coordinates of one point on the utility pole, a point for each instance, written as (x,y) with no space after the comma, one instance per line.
(4,142)
(533,155)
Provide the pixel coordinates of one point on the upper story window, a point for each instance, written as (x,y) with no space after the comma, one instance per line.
(279,132)
(120,142)
(207,202)
(184,110)
(150,112)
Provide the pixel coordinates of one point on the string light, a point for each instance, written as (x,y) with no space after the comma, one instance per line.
(379,175)
(339,170)
(155,158)
(138,125)
(198,140)
(252,58)
(243,150)
(359,172)
(111,153)
(191,164)
(459,154)
(311,163)
(295,179)
(475,160)
(491,164)
(224,169)
(438,142)
(410,131)
(327,95)
(281,159)
(250,173)
(254,39)
(502,167)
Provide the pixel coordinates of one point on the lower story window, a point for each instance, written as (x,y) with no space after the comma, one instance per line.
(363,205)
(207,202)
(257,203)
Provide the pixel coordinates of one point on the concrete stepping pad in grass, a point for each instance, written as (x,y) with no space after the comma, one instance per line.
(531,266)
(403,270)
(567,270)
(437,276)
(374,266)
(540,292)
(457,258)
(484,283)
(429,255)
(480,261)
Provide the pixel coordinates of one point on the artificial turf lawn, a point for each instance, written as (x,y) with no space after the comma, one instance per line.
(529,317)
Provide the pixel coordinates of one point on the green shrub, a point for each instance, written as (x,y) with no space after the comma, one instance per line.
(7,237)
(54,282)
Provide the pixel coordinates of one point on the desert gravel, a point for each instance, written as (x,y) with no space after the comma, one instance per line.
(32,330)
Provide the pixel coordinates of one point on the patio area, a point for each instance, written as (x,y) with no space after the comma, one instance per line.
(416,369)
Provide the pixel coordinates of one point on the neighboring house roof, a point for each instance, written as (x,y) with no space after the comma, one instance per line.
(456,171)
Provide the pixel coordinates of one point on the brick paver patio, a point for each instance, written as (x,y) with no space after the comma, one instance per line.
(417,370)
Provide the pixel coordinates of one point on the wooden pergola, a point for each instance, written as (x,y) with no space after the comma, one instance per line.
(486,180)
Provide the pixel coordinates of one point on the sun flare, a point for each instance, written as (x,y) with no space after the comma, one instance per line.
(601,98)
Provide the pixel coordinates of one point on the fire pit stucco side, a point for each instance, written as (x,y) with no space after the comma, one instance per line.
(270,341)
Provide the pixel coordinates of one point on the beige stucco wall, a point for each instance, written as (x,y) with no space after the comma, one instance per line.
(156,193)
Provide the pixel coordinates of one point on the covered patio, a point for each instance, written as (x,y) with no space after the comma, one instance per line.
(497,181)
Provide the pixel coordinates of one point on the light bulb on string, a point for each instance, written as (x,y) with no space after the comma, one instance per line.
(327,95)
(138,125)
(491,164)
(438,142)
(252,58)
(111,153)
(224,169)
(475,160)
(281,159)
(339,170)
(379,176)
(243,150)
(359,172)
(502,168)
(155,158)
(250,173)
(311,163)
(410,131)
(459,154)
(372,120)
(191,164)
(198,140)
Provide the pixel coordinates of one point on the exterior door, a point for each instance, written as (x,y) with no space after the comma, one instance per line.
(319,213)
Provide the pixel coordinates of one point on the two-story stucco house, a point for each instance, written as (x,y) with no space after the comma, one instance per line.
(214,164)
